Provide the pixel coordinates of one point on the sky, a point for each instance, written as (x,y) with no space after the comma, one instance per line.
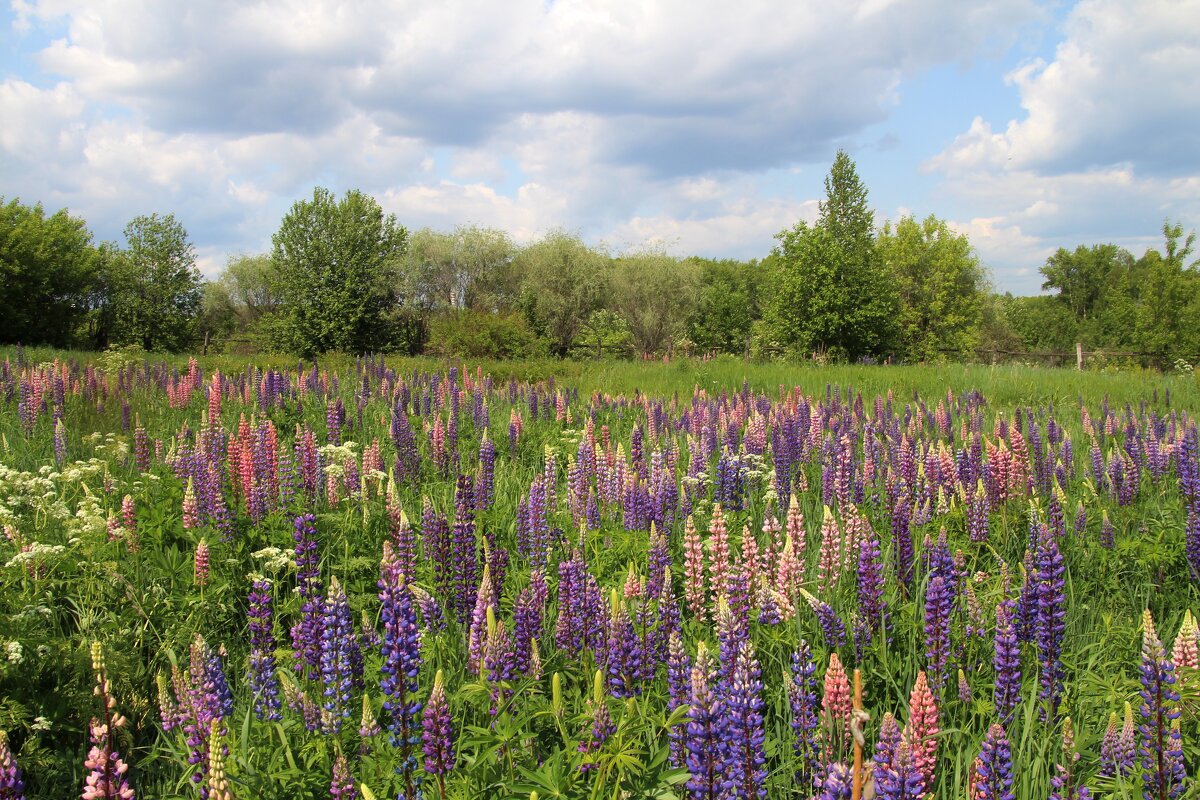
(704,128)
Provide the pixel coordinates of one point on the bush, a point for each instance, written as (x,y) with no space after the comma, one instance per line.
(474,334)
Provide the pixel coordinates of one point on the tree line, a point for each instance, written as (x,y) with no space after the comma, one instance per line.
(342,275)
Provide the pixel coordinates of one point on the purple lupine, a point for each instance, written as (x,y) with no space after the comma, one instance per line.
(1050,625)
(337,644)
(745,760)
(1007,661)
(485,486)
(437,734)
(527,627)
(341,785)
(401,665)
(872,608)
(902,780)
(497,661)
(306,634)
(886,745)
(837,783)
(1192,538)
(805,705)
(1107,538)
(994,767)
(264,683)
(625,654)
(1118,749)
(832,627)
(465,558)
(902,546)
(435,539)
(679,670)
(939,604)
(1163,772)
(706,718)
(12,784)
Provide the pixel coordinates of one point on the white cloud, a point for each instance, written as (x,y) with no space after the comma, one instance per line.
(1109,144)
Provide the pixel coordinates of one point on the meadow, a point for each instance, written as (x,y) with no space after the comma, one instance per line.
(370,578)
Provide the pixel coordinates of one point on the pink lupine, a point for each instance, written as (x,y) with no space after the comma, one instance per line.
(836,705)
(1185,651)
(718,553)
(191,510)
(795,525)
(693,565)
(922,728)
(829,561)
(750,561)
(201,576)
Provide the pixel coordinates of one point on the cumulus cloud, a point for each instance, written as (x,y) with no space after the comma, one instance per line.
(1109,144)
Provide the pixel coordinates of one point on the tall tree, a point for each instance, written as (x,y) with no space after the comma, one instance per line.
(562,282)
(336,262)
(654,293)
(48,267)
(726,305)
(465,268)
(941,288)
(153,286)
(833,290)
(1082,277)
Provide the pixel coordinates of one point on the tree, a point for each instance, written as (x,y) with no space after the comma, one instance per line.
(562,282)
(833,291)
(152,287)
(654,293)
(336,263)
(1083,276)
(462,269)
(726,305)
(48,267)
(941,288)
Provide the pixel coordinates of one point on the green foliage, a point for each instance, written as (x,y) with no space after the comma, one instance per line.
(476,334)
(833,291)
(726,305)
(152,287)
(466,268)
(941,288)
(48,269)
(563,281)
(654,293)
(336,261)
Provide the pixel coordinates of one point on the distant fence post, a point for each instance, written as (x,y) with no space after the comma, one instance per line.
(1079,355)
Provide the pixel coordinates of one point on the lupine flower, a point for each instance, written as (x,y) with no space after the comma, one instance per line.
(837,784)
(706,717)
(871,605)
(306,634)
(218,783)
(805,721)
(1117,749)
(437,735)
(264,683)
(993,768)
(602,724)
(1184,652)
(1050,626)
(337,645)
(12,786)
(889,740)
(401,665)
(497,660)
(1162,757)
(625,654)
(922,730)
(829,560)
(939,604)
(693,563)
(745,758)
(106,771)
(902,780)
(341,785)
(679,672)
(836,706)
(201,573)
(1065,784)
(718,553)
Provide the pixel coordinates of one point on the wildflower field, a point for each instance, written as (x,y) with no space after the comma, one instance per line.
(376,579)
